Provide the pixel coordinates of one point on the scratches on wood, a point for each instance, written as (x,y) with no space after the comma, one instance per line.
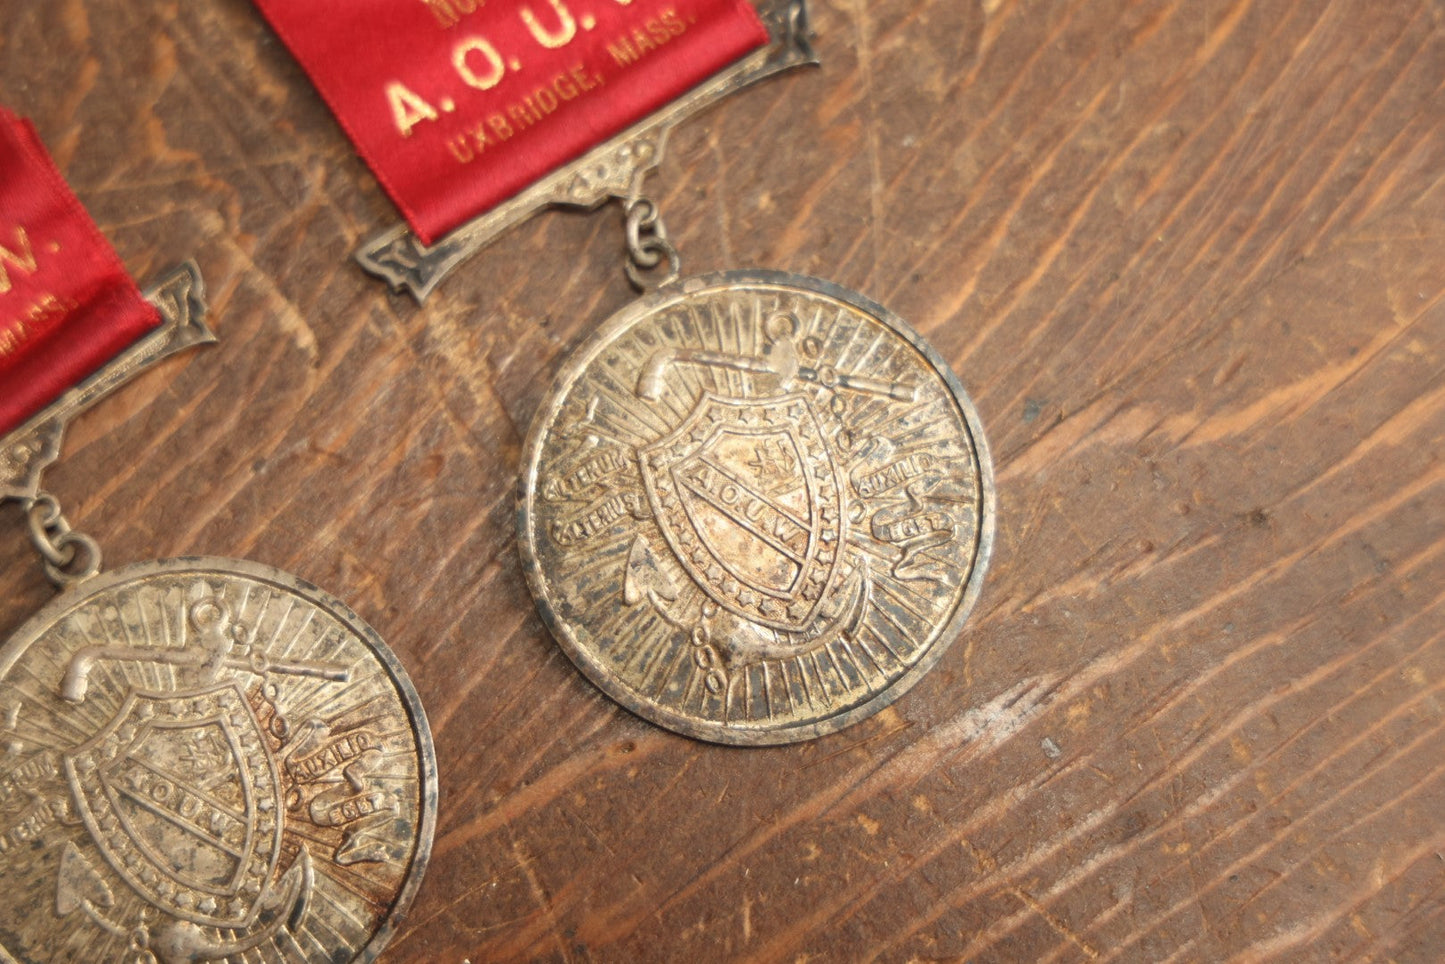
(1185,256)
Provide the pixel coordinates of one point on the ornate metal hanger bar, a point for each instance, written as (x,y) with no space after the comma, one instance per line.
(614,169)
(27,451)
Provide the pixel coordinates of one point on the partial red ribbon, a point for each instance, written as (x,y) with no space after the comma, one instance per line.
(459,104)
(67,305)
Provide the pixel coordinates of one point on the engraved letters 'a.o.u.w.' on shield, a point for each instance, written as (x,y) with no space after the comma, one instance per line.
(755,507)
(184,773)
(751,505)
(207,760)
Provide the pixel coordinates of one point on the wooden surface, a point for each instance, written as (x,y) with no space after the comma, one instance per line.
(1188,257)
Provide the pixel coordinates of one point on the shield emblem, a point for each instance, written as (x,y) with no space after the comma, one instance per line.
(748,496)
(180,794)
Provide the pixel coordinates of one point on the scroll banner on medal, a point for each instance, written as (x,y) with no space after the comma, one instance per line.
(458,105)
(67,305)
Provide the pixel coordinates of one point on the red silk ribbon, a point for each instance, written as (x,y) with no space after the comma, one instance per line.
(459,104)
(67,305)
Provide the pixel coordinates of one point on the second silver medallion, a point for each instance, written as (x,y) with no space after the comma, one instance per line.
(755,507)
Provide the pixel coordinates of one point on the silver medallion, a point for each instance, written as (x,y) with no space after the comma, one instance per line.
(200,759)
(755,507)
(204,760)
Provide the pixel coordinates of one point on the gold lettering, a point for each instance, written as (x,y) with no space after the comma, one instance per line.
(629,48)
(551,39)
(10,339)
(642,42)
(583,80)
(33,318)
(465,147)
(500,127)
(449,13)
(23,260)
(445,15)
(564,87)
(495,69)
(673,22)
(461,150)
(407,108)
(519,116)
(622,53)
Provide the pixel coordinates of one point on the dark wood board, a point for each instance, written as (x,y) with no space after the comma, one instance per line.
(1187,257)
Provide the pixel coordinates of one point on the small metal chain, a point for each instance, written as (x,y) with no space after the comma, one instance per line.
(648,249)
(70,557)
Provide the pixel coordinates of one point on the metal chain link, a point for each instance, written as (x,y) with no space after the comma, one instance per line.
(69,557)
(648,248)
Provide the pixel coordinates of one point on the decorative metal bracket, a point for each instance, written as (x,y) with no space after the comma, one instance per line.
(29,450)
(610,170)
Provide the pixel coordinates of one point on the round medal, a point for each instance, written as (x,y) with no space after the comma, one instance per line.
(755,507)
(204,760)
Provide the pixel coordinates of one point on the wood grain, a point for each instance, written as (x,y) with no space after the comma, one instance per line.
(1187,257)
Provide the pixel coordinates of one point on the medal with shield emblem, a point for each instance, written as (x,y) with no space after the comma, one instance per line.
(201,759)
(755,507)
(207,759)
(758,506)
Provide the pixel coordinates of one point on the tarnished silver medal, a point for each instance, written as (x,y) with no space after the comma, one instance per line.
(201,759)
(755,507)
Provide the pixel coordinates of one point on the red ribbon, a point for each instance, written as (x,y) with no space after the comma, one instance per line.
(459,104)
(67,305)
